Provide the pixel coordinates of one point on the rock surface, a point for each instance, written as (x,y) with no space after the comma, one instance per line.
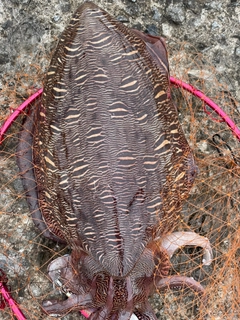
(203,38)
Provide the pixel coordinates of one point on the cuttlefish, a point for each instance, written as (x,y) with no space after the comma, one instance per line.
(106,167)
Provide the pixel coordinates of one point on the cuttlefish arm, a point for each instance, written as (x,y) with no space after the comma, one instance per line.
(176,240)
(173,242)
(179,282)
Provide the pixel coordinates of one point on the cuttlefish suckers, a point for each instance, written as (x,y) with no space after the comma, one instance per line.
(112,165)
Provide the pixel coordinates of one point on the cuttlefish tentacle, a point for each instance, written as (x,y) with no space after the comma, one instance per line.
(74,302)
(175,240)
(179,282)
(62,274)
(56,267)
(61,268)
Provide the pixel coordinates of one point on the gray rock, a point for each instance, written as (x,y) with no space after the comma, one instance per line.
(194,5)
(7,24)
(157,15)
(215,25)
(176,13)
(152,30)
(122,18)
(4,58)
(237,52)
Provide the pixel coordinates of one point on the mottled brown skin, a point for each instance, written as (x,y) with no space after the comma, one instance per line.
(111,168)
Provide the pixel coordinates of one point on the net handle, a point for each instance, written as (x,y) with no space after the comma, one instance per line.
(209,102)
(4,292)
(7,124)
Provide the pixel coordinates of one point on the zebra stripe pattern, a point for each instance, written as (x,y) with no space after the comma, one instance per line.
(112,162)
